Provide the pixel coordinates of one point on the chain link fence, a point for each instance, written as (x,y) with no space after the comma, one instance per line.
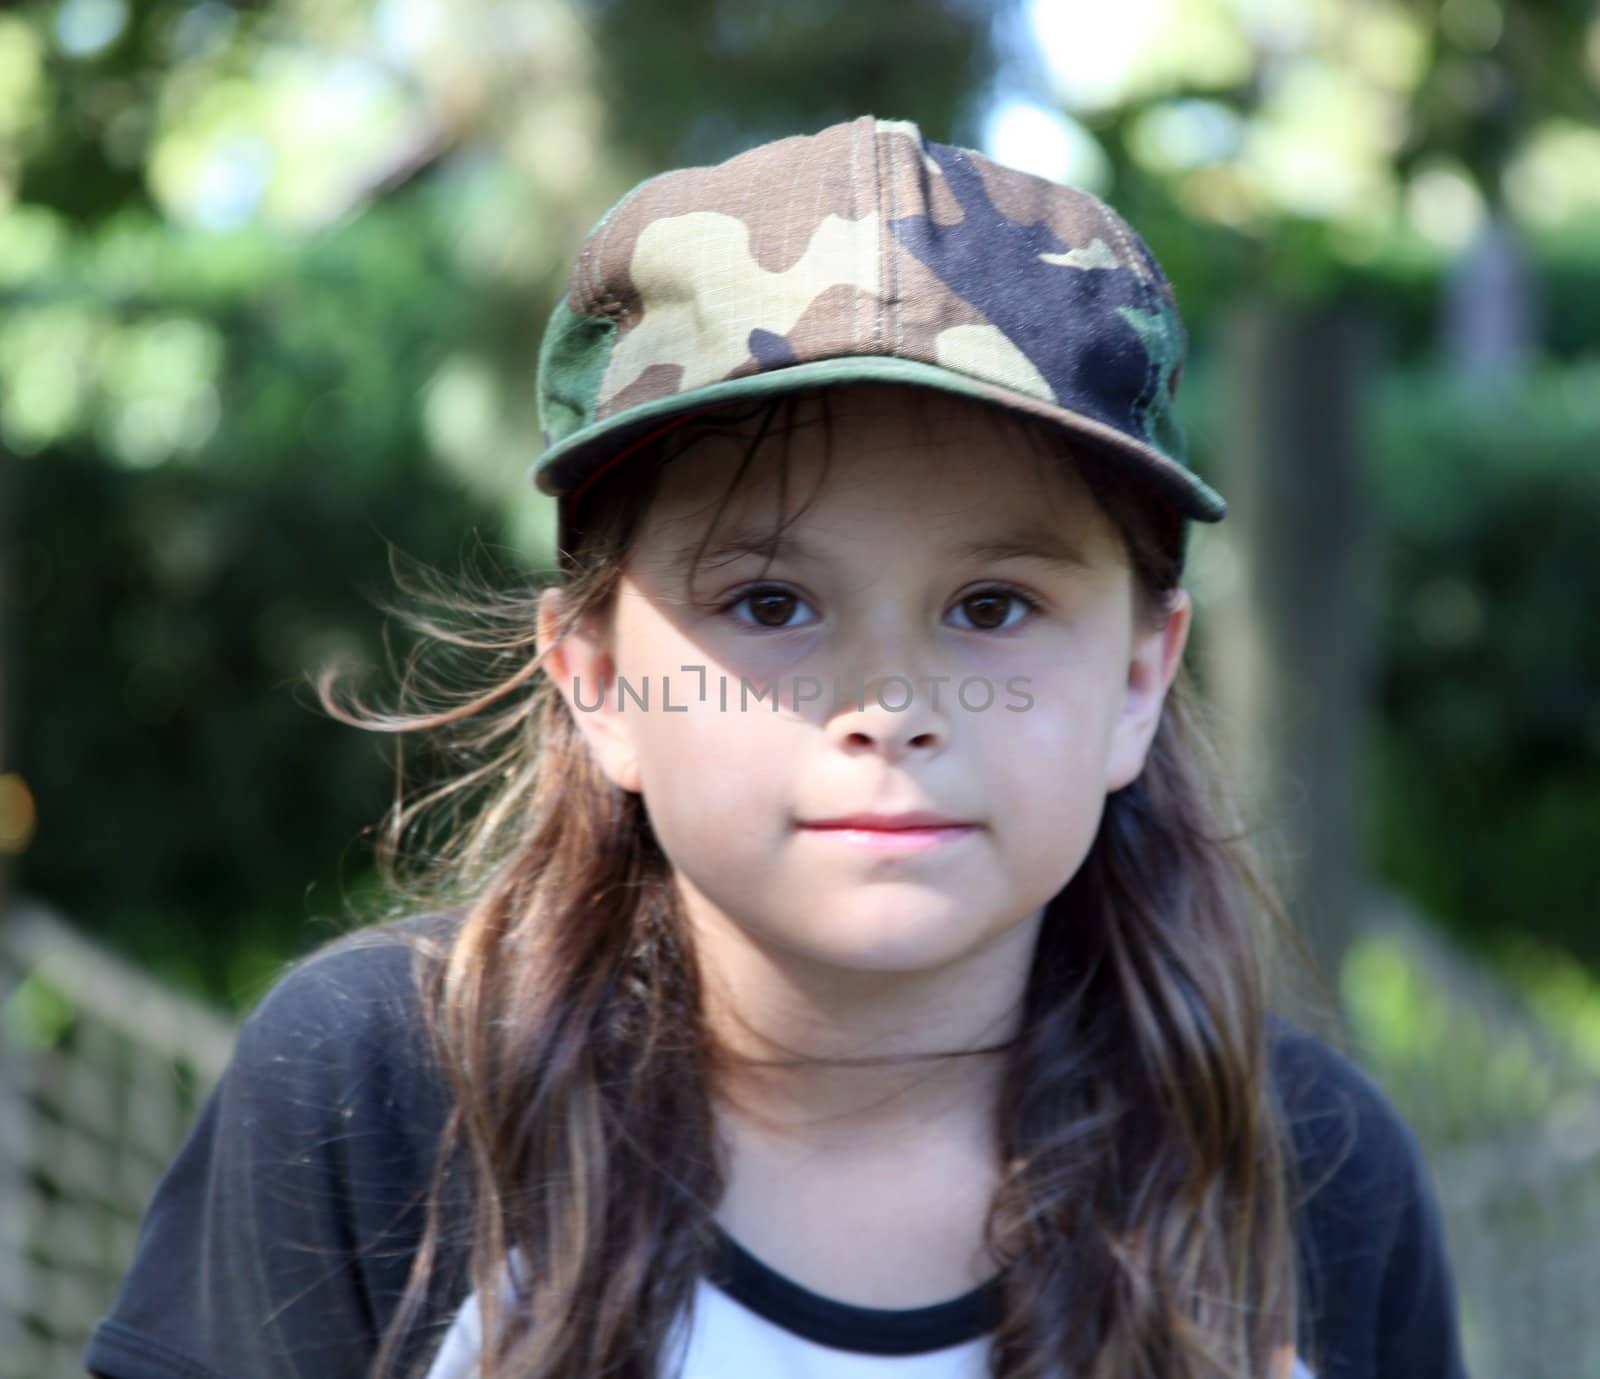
(102,1071)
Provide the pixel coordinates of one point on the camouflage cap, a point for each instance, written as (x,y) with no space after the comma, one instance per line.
(865,252)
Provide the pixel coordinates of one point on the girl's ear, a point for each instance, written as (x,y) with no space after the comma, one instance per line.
(583,668)
(1152,663)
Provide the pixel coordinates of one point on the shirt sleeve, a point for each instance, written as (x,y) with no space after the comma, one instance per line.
(279,1240)
(1418,1327)
(1378,1296)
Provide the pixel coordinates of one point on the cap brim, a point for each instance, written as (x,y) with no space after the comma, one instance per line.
(565,465)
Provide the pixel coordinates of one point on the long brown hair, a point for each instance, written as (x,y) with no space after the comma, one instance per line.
(1144,1216)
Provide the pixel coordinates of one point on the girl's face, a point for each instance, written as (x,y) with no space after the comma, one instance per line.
(945,628)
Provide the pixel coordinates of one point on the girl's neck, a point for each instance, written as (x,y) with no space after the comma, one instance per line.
(834,1113)
(771,1012)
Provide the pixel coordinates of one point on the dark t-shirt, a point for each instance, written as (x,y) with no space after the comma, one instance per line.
(278,1243)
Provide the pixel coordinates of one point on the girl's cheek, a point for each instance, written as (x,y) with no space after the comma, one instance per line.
(1053,667)
(719,651)
(1067,730)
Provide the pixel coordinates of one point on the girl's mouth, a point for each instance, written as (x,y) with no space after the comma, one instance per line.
(916,839)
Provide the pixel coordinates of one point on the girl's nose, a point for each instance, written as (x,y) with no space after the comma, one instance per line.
(895,714)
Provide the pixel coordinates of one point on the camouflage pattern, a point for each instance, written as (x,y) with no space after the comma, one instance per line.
(865,251)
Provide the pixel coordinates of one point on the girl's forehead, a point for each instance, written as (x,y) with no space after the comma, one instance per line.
(883,455)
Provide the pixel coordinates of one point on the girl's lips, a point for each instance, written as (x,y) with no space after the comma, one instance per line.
(892,839)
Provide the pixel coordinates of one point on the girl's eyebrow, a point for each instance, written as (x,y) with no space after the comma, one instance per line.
(1027,542)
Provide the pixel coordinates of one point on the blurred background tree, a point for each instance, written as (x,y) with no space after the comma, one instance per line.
(272,278)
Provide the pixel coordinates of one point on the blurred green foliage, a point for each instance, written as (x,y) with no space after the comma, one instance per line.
(170,599)
(1485,789)
(1461,1078)
(36,1013)
(1477,1079)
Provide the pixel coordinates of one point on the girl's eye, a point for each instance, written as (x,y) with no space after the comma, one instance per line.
(988,610)
(987,607)
(770,605)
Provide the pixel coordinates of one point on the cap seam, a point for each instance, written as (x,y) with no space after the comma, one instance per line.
(1152,370)
(856,294)
(883,168)
(874,308)
(880,330)
(609,304)
(592,259)
(1120,229)
(897,312)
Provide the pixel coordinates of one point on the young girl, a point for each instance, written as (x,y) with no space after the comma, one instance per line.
(846,964)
